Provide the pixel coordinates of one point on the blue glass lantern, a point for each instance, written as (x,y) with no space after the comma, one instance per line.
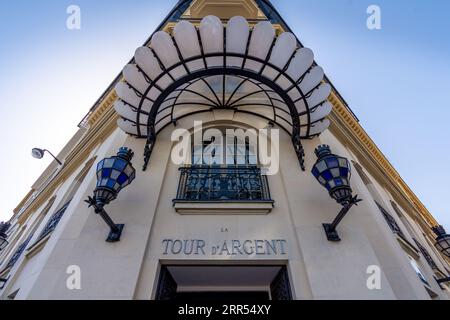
(333,173)
(442,240)
(113,174)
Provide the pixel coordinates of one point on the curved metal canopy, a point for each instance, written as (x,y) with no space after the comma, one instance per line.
(212,67)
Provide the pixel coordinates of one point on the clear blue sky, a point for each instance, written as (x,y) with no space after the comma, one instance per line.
(396,79)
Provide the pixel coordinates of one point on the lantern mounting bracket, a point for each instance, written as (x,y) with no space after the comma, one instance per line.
(115,229)
(330,228)
(298,148)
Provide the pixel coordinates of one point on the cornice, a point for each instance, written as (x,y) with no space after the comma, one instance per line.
(104,106)
(346,127)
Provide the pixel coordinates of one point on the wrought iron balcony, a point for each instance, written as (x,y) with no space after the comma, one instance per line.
(391,222)
(53,222)
(223,184)
(17,253)
(426,255)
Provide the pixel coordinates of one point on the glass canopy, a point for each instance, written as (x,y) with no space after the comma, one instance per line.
(212,66)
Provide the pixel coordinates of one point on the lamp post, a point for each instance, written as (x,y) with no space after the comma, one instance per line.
(442,240)
(113,174)
(333,173)
(39,154)
(3,228)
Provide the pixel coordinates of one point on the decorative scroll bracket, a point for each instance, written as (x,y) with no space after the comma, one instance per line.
(149,145)
(299,151)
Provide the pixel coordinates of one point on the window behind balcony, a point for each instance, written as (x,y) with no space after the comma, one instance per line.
(225,150)
(224,168)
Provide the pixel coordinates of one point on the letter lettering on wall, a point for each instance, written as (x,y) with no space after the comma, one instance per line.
(229,248)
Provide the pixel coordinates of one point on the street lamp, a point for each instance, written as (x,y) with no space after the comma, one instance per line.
(333,173)
(3,228)
(442,240)
(39,154)
(113,174)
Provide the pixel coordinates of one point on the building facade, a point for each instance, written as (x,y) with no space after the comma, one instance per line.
(212,216)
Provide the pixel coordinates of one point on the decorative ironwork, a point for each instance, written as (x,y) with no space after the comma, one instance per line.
(299,151)
(280,288)
(53,222)
(330,228)
(426,255)
(151,99)
(442,280)
(391,221)
(18,253)
(4,226)
(150,143)
(163,109)
(231,183)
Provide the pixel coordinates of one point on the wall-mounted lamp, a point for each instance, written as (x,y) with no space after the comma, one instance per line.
(4,226)
(333,173)
(113,174)
(442,240)
(39,154)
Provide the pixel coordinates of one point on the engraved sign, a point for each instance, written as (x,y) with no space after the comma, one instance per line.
(199,247)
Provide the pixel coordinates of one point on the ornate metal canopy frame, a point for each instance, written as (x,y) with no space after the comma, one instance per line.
(298,106)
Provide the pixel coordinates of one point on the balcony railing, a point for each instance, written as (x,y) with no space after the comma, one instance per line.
(53,222)
(18,253)
(223,184)
(391,221)
(426,255)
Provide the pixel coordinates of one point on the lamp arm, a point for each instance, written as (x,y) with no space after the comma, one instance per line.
(115,229)
(54,157)
(354,201)
(108,220)
(330,228)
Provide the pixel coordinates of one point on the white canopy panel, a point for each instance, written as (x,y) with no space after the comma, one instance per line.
(249,70)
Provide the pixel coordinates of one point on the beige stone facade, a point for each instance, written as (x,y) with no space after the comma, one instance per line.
(200,243)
